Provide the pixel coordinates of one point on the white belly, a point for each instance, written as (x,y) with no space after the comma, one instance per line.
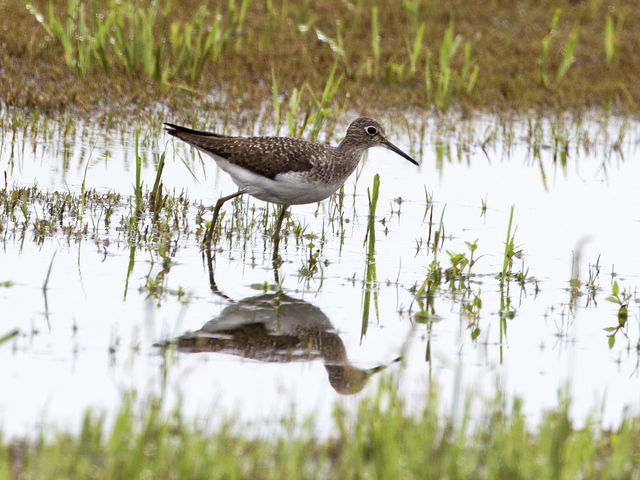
(291,188)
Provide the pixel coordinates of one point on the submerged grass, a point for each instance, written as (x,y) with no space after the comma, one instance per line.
(383,440)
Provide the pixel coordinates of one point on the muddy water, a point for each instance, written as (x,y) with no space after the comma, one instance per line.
(244,351)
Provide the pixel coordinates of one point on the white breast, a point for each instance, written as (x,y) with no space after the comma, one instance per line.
(291,188)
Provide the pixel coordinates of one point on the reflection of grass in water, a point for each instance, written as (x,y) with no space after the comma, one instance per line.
(132,260)
(378,439)
(621,300)
(425,294)
(370,283)
(28,214)
(552,141)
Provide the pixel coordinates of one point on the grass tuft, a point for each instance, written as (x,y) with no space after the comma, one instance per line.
(396,54)
(125,34)
(381,440)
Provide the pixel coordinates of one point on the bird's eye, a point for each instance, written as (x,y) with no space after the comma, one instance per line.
(371,130)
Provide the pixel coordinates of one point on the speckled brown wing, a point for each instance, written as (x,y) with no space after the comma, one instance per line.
(266,156)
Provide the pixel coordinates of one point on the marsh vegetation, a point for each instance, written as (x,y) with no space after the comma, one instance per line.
(476,317)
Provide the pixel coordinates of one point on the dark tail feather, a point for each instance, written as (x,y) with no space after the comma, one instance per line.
(176,130)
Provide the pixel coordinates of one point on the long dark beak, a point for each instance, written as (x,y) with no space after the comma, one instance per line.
(386,143)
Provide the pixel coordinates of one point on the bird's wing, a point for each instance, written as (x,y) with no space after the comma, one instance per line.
(266,156)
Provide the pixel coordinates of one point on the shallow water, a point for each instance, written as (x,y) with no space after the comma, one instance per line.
(85,341)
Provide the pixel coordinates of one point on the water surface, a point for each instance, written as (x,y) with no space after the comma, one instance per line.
(98,329)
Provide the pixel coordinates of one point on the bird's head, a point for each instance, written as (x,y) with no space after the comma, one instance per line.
(368,133)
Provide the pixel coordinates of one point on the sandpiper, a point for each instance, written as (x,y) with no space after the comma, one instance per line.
(285,170)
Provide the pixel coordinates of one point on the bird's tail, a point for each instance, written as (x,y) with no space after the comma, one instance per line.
(178,131)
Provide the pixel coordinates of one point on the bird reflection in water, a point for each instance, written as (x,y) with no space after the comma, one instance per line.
(275,327)
(278,328)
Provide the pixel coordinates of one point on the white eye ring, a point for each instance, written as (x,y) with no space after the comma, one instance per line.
(371,130)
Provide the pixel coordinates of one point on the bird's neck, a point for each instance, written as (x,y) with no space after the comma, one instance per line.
(342,162)
(351,149)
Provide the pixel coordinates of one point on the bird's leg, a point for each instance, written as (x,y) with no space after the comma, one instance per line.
(216,211)
(276,233)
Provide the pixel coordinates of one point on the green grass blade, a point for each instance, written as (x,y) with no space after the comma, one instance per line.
(568,57)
